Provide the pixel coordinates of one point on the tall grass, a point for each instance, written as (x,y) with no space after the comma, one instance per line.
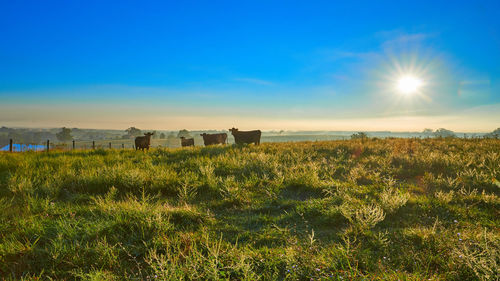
(361,209)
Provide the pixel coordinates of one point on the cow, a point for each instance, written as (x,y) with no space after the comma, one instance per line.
(210,139)
(242,137)
(187,142)
(143,142)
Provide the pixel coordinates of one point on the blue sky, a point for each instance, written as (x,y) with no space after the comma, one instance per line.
(253,64)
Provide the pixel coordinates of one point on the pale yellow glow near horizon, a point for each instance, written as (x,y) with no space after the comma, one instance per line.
(478,119)
(409,84)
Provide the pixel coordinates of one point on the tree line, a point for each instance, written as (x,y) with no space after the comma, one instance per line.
(439,133)
(65,134)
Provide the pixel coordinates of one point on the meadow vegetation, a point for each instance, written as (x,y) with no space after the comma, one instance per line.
(393,209)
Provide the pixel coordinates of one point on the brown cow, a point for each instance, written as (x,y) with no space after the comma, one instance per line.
(241,137)
(187,142)
(143,142)
(210,139)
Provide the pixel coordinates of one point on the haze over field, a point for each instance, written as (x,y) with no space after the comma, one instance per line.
(293,66)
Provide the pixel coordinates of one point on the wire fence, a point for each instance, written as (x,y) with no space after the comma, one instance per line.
(14,146)
(173,142)
(49,145)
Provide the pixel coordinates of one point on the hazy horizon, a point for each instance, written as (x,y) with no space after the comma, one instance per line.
(226,129)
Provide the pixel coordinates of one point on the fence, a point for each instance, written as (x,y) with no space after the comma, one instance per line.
(83,145)
(155,143)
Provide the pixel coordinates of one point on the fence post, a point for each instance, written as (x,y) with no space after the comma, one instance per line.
(123,146)
(48,145)
(109,145)
(73,144)
(10,145)
(93,144)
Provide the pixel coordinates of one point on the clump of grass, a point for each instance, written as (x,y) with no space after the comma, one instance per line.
(363,217)
(187,190)
(360,175)
(393,199)
(96,275)
(480,254)
(490,198)
(444,197)
(368,216)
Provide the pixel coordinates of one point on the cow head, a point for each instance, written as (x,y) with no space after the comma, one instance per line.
(204,134)
(182,138)
(233,130)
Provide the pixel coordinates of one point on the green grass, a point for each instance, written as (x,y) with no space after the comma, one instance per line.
(395,209)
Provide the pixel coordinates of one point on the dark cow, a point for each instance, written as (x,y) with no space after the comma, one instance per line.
(143,142)
(187,142)
(241,137)
(210,139)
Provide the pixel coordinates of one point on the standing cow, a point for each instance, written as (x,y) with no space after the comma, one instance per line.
(187,142)
(242,137)
(143,142)
(210,139)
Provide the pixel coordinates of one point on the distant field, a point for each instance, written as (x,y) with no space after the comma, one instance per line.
(175,142)
(394,209)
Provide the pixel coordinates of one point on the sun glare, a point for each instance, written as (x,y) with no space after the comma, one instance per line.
(409,84)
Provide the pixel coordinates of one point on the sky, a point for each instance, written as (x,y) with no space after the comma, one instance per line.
(270,65)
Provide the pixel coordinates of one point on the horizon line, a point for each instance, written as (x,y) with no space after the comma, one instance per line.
(267,130)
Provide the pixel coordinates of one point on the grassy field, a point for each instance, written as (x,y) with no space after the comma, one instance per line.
(394,209)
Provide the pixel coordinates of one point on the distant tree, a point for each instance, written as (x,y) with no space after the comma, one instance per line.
(162,136)
(64,135)
(360,135)
(4,139)
(37,137)
(444,133)
(184,133)
(133,132)
(171,135)
(16,136)
(494,135)
(281,132)
(427,131)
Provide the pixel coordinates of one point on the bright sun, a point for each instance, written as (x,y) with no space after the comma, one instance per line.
(409,85)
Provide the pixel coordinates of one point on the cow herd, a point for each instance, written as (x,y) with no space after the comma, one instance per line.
(240,137)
